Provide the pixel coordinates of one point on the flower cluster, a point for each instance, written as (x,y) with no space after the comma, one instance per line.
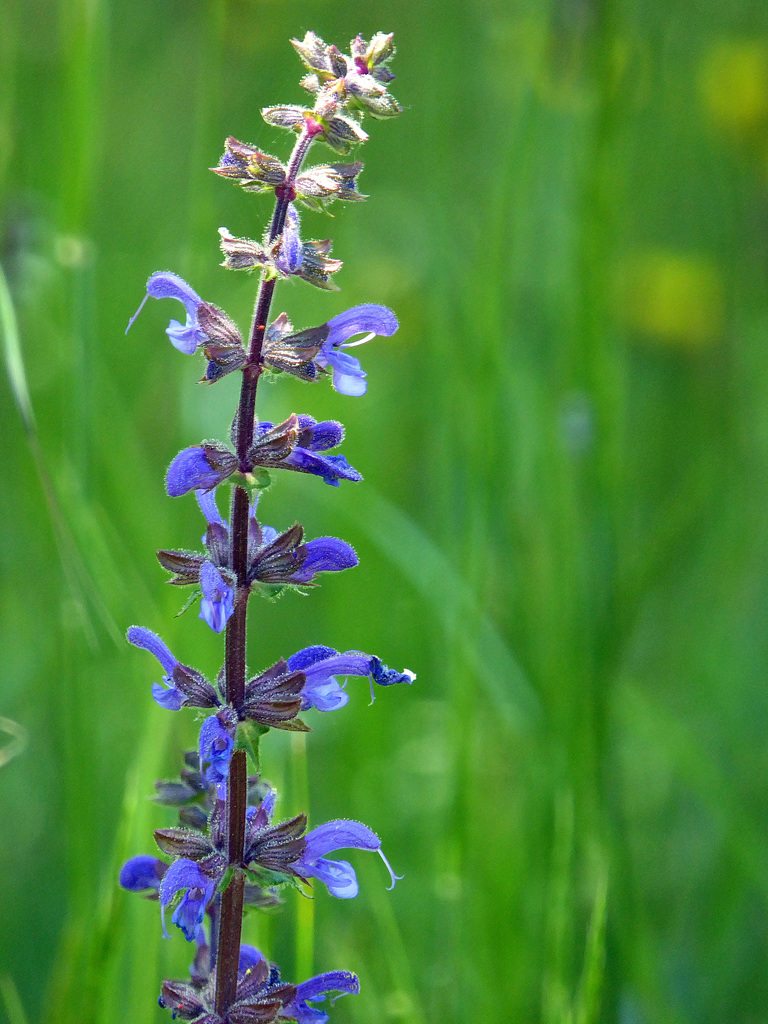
(226,842)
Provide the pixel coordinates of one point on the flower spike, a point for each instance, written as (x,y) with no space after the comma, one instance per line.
(225,852)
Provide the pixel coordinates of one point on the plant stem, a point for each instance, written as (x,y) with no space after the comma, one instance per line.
(231,917)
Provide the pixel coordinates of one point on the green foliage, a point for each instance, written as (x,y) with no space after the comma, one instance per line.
(562,528)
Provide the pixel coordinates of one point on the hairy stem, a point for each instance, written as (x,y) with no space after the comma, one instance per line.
(231,916)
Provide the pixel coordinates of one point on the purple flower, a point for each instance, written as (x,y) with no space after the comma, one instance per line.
(324,554)
(330,468)
(207,502)
(315,990)
(296,444)
(285,559)
(185,337)
(291,250)
(218,601)
(217,744)
(368,319)
(167,696)
(249,958)
(141,873)
(321,665)
(338,875)
(200,468)
(190,913)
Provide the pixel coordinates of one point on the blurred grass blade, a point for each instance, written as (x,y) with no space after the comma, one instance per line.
(81,585)
(12,1001)
(14,362)
(18,742)
(590,988)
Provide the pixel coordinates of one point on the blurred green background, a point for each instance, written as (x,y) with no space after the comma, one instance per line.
(563,527)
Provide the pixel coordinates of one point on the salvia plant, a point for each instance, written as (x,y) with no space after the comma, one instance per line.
(229,851)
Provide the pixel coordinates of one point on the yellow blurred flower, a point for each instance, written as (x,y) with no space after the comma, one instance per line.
(674,298)
(734,84)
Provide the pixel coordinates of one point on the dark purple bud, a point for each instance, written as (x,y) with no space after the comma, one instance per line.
(249,167)
(184,566)
(195,688)
(183,1001)
(274,698)
(141,873)
(173,794)
(256,896)
(277,846)
(194,816)
(202,467)
(182,842)
(185,337)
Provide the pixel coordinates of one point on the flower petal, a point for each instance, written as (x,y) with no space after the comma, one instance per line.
(190,913)
(192,469)
(165,285)
(340,835)
(325,554)
(141,873)
(207,502)
(216,748)
(149,641)
(218,602)
(364,319)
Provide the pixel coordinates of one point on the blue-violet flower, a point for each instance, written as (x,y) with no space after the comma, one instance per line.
(315,990)
(368,319)
(322,664)
(218,601)
(167,696)
(217,744)
(338,875)
(141,873)
(190,913)
(165,285)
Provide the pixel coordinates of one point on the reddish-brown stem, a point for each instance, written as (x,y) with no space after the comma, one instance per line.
(231,916)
